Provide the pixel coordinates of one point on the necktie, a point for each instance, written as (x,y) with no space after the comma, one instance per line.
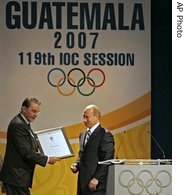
(36,142)
(87,136)
(30,130)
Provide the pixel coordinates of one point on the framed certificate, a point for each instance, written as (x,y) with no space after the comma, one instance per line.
(54,142)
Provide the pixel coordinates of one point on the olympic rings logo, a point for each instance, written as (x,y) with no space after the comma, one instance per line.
(144,181)
(76,78)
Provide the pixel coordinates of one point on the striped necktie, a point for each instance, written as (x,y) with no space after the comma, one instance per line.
(87,136)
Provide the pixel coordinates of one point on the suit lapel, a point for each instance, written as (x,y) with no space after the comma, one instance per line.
(93,135)
(82,140)
(31,134)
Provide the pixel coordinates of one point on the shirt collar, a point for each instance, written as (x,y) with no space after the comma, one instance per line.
(94,127)
(25,119)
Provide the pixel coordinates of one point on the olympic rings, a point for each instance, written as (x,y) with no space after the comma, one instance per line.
(84,77)
(53,70)
(88,78)
(101,73)
(56,78)
(60,91)
(144,181)
(157,180)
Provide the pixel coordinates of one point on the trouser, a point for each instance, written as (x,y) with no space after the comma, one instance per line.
(99,193)
(93,193)
(16,190)
(86,191)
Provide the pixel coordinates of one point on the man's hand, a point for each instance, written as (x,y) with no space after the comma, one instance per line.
(74,168)
(53,159)
(93,184)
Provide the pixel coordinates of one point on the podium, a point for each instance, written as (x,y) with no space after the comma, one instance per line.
(140,177)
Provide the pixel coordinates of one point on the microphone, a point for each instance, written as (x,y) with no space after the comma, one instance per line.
(120,144)
(158,145)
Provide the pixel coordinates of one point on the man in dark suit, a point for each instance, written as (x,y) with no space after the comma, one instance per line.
(95,147)
(21,153)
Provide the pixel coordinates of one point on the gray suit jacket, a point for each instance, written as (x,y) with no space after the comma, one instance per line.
(21,154)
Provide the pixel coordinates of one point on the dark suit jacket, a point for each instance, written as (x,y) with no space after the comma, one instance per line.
(21,155)
(99,147)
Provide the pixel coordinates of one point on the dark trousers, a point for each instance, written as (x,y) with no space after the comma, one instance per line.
(94,193)
(99,193)
(15,190)
(86,191)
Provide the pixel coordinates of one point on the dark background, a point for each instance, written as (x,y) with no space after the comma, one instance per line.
(161,73)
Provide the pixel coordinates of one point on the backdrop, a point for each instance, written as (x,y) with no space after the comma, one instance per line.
(70,54)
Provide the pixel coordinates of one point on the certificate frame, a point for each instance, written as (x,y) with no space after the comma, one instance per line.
(54,142)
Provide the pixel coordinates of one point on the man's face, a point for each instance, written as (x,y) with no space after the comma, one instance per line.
(31,112)
(89,118)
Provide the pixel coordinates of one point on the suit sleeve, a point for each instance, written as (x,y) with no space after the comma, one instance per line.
(80,151)
(106,152)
